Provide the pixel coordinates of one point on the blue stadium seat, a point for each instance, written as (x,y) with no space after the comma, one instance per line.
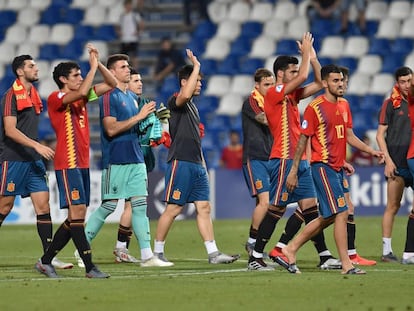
(241,46)
(402,45)
(251,30)
(106,32)
(72,16)
(228,66)
(49,51)
(380,46)
(207,103)
(287,47)
(392,61)
(84,33)
(7,18)
(52,15)
(371,103)
(350,62)
(249,65)
(204,31)
(197,46)
(73,50)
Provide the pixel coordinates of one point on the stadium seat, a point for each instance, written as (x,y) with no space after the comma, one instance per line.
(228,66)
(114,14)
(7,18)
(83,33)
(28,48)
(204,31)
(39,34)
(218,85)
(72,50)
(46,87)
(229,30)
(52,15)
(107,3)
(399,9)
(274,29)
(261,12)
(44,69)
(407,28)
(379,46)
(72,16)
(296,27)
(242,84)
(16,34)
(83,4)
(217,11)
(381,84)
(39,4)
(263,47)
(106,33)
(285,10)
(371,102)
(49,51)
(251,30)
(402,45)
(100,45)
(61,34)
(359,84)
(209,66)
(355,46)
(389,28)
(287,47)
(369,64)
(332,46)
(217,48)
(8,51)
(409,60)
(376,10)
(239,11)
(16,5)
(349,62)
(392,62)
(28,17)
(95,16)
(249,65)
(240,47)
(230,104)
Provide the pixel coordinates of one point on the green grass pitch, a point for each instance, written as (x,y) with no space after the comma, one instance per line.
(193,284)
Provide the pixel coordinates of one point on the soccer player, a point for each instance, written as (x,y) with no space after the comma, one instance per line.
(281,108)
(124,174)
(295,221)
(69,117)
(257,144)
(186,177)
(394,138)
(324,124)
(23,171)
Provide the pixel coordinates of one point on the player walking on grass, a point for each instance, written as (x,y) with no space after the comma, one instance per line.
(395,139)
(186,177)
(324,125)
(295,221)
(23,171)
(124,174)
(69,118)
(281,108)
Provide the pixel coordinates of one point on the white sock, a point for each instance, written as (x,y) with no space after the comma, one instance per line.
(146,253)
(211,246)
(325,253)
(120,244)
(251,241)
(280,244)
(159,246)
(352,252)
(386,246)
(257,255)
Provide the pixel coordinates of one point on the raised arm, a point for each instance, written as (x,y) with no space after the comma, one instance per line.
(188,86)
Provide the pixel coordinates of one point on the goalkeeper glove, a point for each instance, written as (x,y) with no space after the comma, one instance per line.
(163,113)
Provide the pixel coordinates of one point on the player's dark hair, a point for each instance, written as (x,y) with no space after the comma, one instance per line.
(328,69)
(63,70)
(18,62)
(114,58)
(345,71)
(133,71)
(402,71)
(262,73)
(282,63)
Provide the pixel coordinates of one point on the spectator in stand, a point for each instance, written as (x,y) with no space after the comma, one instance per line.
(232,154)
(169,60)
(345,7)
(131,25)
(202,10)
(323,9)
(362,158)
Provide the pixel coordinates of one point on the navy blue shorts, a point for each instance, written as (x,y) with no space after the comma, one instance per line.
(279,195)
(186,182)
(257,176)
(74,186)
(329,186)
(23,178)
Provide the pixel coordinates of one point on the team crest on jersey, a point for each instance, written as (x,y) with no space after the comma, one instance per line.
(279,88)
(258,184)
(341,202)
(11,186)
(304,124)
(114,189)
(285,196)
(346,184)
(176,194)
(75,194)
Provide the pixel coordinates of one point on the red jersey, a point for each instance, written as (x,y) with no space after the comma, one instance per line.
(343,106)
(71,126)
(232,157)
(284,120)
(324,124)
